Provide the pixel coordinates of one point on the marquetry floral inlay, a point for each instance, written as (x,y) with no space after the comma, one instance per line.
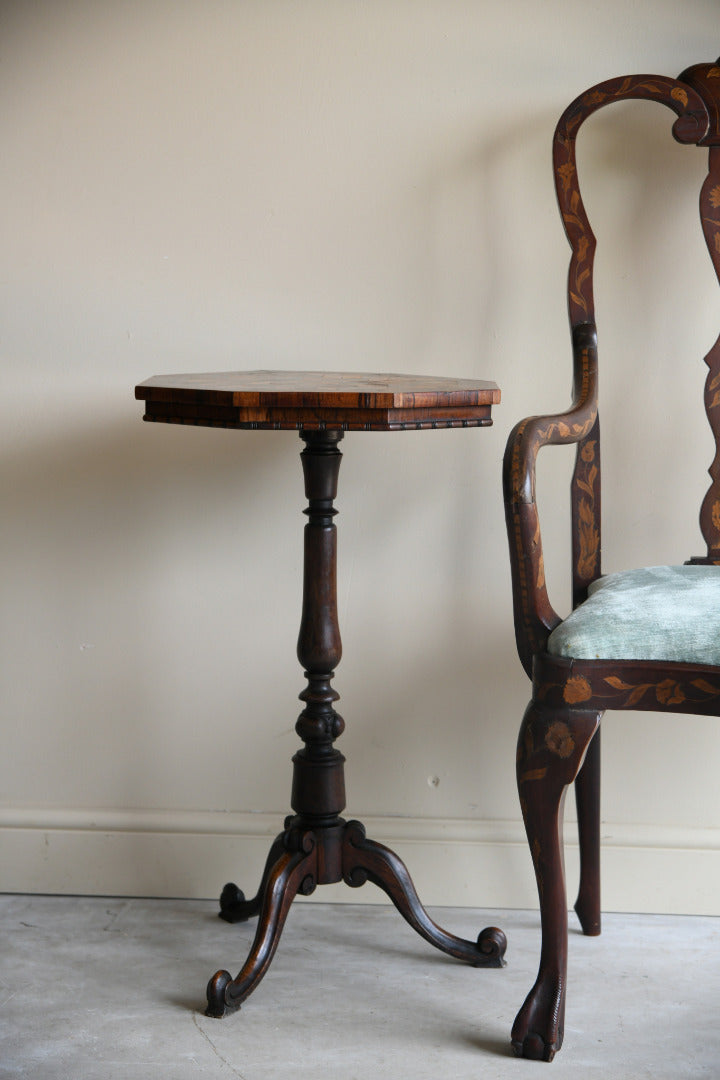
(577,689)
(559,739)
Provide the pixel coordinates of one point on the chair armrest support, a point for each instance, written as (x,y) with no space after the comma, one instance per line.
(535,617)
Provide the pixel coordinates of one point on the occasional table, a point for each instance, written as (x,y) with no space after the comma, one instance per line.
(317,846)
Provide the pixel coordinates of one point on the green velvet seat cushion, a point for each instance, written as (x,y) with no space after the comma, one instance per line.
(657,613)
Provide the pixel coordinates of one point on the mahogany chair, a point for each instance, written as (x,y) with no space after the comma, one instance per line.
(641,639)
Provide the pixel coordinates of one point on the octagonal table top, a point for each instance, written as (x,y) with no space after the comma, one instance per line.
(317,400)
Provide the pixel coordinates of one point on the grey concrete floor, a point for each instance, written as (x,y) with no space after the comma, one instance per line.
(101,989)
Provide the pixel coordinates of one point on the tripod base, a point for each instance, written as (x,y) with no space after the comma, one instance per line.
(298,861)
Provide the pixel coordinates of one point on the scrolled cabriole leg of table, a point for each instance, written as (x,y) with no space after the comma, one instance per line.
(293,872)
(365,860)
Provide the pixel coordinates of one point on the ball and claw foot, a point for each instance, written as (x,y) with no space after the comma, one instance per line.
(537,1033)
(217,1005)
(534,1048)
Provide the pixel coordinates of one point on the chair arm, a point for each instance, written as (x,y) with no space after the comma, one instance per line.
(535,617)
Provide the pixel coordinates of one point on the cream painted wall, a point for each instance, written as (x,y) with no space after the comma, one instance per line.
(351,185)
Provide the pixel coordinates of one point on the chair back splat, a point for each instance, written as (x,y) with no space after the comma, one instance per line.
(641,639)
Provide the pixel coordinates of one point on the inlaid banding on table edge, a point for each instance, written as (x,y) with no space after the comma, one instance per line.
(295,419)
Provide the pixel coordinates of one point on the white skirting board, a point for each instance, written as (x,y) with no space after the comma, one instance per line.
(660,869)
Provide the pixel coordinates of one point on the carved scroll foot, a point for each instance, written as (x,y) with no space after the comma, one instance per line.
(364,860)
(218,1004)
(551,749)
(292,872)
(233,905)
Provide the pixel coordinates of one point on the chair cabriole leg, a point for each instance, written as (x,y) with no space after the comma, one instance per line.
(551,748)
